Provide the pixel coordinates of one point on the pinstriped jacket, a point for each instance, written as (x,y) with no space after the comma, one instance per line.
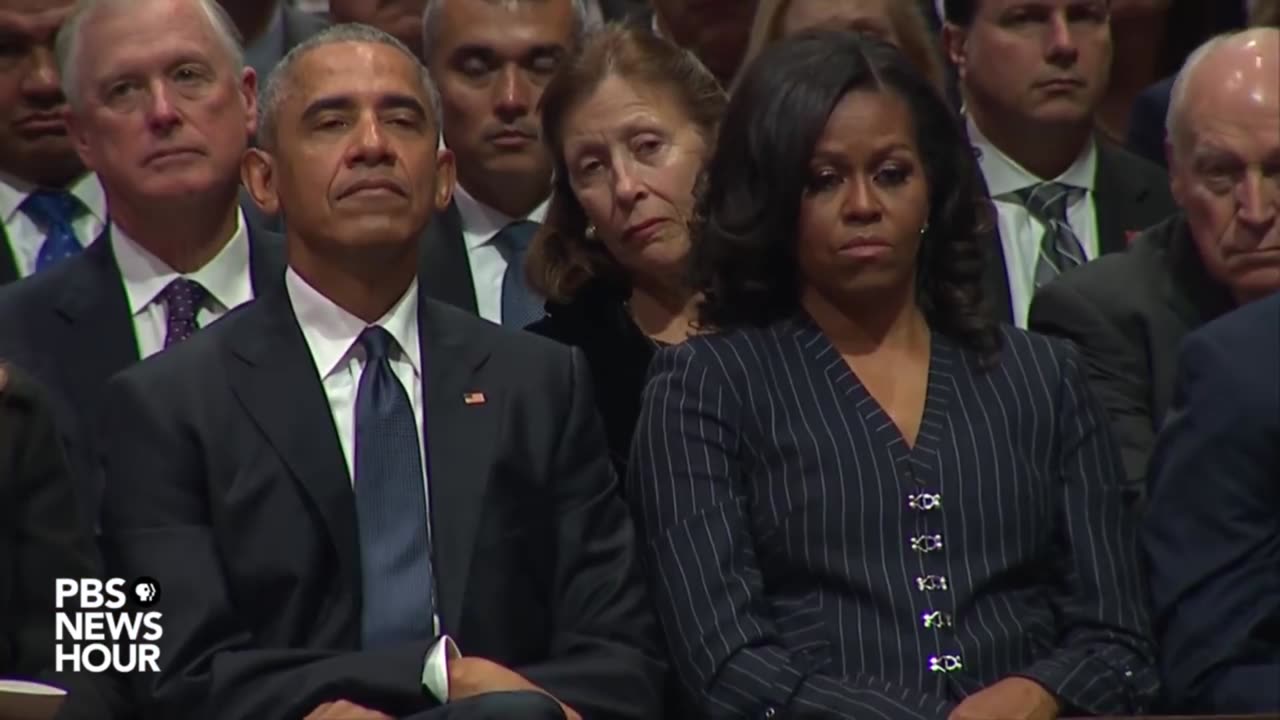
(807,562)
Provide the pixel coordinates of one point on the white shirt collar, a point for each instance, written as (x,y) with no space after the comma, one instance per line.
(481,222)
(86,189)
(1004,175)
(225,277)
(331,331)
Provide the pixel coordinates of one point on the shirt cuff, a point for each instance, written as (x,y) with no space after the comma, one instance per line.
(435,671)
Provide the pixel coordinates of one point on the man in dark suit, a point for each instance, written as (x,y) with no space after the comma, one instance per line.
(1032,79)
(274,473)
(1212,529)
(50,208)
(491,61)
(178,254)
(1129,312)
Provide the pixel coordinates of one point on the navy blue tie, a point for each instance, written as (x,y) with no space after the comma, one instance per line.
(520,304)
(391,506)
(54,211)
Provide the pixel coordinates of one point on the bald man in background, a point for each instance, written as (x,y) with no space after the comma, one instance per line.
(1129,312)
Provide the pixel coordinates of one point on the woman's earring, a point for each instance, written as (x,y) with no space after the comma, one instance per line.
(924,229)
(591,232)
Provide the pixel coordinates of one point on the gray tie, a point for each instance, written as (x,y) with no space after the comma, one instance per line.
(1060,249)
(520,304)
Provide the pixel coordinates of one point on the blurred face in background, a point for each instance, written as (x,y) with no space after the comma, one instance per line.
(491,62)
(1041,62)
(633,156)
(161,112)
(402,19)
(1224,166)
(866,16)
(34,145)
(715,30)
(865,202)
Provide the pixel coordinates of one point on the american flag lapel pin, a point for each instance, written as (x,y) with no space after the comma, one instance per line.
(473,398)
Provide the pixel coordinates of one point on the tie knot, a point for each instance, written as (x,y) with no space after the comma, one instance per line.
(1049,201)
(515,238)
(377,343)
(183,298)
(52,207)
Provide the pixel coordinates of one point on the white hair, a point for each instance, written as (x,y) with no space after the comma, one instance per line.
(1175,118)
(280,82)
(583,21)
(69,39)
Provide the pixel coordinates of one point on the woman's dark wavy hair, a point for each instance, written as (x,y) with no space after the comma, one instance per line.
(744,256)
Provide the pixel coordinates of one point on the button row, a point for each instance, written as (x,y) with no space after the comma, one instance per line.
(926,543)
(945,663)
(931,582)
(924,501)
(935,619)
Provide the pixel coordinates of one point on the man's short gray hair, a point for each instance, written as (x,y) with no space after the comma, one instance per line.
(67,44)
(279,83)
(582,21)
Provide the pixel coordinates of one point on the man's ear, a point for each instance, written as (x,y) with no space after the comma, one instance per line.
(258,174)
(249,93)
(446,177)
(954,38)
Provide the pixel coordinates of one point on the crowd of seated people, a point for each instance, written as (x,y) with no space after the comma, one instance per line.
(622,360)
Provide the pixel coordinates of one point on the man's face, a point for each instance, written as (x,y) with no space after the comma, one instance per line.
(162,111)
(353,164)
(399,18)
(492,63)
(715,30)
(1225,174)
(33,135)
(1035,61)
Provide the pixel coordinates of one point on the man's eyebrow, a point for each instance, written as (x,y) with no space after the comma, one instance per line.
(325,104)
(398,101)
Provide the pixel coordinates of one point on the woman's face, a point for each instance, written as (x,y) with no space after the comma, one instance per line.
(865,202)
(633,157)
(868,16)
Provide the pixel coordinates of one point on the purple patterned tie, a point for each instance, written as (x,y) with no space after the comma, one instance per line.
(182,299)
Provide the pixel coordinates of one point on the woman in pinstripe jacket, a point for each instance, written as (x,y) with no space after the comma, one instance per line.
(859,497)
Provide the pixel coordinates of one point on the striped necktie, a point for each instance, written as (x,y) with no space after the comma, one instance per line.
(1060,249)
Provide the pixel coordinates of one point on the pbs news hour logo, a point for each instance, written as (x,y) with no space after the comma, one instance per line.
(106,625)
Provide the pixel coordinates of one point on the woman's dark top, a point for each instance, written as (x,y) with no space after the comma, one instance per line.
(618,353)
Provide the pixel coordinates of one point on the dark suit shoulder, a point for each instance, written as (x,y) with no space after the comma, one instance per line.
(20,395)
(39,291)
(1137,168)
(1253,324)
(1116,282)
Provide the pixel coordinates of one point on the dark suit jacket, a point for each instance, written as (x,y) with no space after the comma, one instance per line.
(617,352)
(70,327)
(1129,195)
(226,482)
(444,270)
(42,536)
(1128,313)
(774,497)
(1212,530)
(1147,121)
(8,262)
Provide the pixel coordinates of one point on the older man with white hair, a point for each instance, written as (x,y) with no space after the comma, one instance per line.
(161,107)
(1129,312)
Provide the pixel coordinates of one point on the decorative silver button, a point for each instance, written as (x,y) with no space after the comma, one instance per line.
(945,663)
(935,619)
(925,501)
(931,582)
(926,543)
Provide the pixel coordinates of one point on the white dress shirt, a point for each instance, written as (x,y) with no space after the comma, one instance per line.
(26,238)
(332,336)
(1020,233)
(225,277)
(480,223)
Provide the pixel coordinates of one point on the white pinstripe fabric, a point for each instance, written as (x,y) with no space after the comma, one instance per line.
(772,492)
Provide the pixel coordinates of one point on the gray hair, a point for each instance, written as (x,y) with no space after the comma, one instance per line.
(583,21)
(279,85)
(1175,119)
(67,44)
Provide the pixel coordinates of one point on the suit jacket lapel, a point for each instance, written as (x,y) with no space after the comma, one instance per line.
(444,270)
(275,380)
(459,439)
(1116,198)
(100,340)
